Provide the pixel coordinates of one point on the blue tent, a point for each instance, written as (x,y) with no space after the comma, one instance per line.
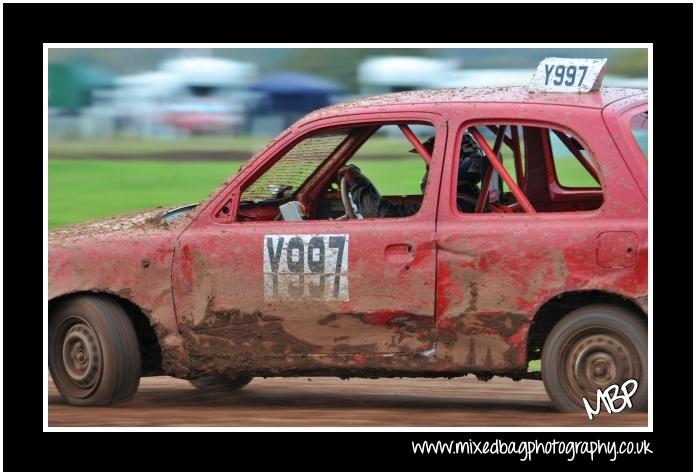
(295,92)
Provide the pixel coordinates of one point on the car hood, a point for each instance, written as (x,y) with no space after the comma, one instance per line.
(152,221)
(128,255)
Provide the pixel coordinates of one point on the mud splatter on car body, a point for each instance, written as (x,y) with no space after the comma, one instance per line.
(464,302)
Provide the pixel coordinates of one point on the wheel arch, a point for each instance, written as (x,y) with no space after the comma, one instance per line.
(148,340)
(555,308)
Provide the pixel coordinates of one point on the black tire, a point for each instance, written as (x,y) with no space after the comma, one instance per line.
(93,351)
(222,383)
(593,348)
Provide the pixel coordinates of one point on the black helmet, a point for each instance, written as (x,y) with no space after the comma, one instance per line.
(472,164)
(472,160)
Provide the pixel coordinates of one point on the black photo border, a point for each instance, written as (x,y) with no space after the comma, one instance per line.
(26,27)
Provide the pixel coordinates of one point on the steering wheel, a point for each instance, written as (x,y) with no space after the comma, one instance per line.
(346,199)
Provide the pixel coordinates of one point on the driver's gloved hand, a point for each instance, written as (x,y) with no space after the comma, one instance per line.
(351,172)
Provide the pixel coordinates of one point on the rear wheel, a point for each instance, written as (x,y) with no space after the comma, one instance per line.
(224,383)
(592,348)
(93,351)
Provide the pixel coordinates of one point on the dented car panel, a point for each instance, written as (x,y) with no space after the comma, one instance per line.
(128,256)
(383,307)
(494,274)
(437,293)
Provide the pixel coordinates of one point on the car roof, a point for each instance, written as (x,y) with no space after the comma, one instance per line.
(521,95)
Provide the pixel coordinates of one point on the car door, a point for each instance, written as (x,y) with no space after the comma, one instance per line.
(261,289)
(555,238)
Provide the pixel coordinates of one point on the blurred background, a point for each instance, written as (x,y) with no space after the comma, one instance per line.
(136,128)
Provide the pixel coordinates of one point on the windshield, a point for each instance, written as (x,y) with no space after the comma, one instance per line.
(290,172)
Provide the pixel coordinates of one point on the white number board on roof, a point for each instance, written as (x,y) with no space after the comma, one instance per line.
(568,75)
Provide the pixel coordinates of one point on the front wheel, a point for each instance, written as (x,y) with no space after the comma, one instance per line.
(93,351)
(592,348)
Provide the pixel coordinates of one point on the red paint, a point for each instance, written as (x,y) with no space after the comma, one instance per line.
(445,324)
(381,317)
(483,263)
(458,269)
(186,263)
(443,285)
(518,341)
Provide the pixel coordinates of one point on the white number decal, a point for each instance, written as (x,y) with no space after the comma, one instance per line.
(305,266)
(568,75)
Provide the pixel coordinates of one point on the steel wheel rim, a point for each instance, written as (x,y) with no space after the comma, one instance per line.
(597,358)
(80,355)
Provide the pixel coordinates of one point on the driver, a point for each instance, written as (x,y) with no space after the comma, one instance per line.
(370,204)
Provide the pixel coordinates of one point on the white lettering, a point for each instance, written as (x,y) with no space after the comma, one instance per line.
(305,266)
(609,396)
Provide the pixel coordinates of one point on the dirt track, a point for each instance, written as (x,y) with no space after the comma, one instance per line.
(164,401)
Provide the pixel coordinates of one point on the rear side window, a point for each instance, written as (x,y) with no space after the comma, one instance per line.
(568,158)
(548,170)
(639,130)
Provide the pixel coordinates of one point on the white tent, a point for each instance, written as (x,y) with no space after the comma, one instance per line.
(212,72)
(150,84)
(389,72)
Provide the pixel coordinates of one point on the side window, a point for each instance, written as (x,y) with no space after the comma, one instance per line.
(391,162)
(383,170)
(571,162)
(639,129)
(389,175)
(536,169)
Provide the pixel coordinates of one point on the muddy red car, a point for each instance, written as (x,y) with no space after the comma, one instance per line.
(271,275)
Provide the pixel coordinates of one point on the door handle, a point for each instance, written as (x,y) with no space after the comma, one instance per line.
(398,253)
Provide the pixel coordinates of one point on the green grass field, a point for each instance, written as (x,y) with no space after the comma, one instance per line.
(80,190)
(249,144)
(83,189)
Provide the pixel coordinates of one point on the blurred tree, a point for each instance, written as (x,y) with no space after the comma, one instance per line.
(118,60)
(632,63)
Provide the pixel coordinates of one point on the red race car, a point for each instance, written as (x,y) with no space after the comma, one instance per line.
(516,231)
